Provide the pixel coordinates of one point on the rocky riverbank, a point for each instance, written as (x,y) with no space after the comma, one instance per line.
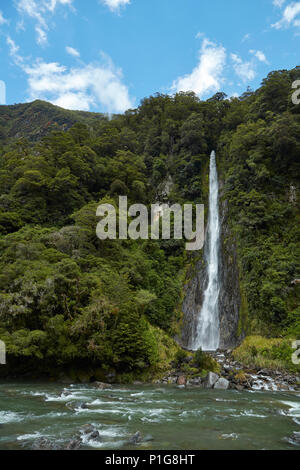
(233,375)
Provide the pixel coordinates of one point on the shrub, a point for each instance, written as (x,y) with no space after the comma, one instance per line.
(205,362)
(180,357)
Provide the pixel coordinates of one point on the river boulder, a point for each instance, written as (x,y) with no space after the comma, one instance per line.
(102,385)
(136,438)
(222,384)
(74,444)
(210,380)
(181,380)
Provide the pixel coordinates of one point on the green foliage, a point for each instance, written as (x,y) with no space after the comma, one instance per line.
(205,362)
(260,164)
(180,357)
(257,351)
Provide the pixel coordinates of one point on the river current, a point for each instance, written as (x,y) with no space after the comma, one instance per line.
(168,418)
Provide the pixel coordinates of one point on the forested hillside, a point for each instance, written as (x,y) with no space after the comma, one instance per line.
(68,299)
(35,120)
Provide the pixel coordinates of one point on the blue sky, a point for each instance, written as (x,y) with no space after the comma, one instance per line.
(106,55)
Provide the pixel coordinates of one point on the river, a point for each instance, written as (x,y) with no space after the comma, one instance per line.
(169,418)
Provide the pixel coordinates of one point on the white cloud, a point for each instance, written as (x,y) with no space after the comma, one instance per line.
(115,5)
(79,88)
(97,84)
(289,15)
(72,51)
(278,3)
(39,10)
(14,50)
(52,4)
(244,70)
(2,19)
(259,55)
(41,35)
(207,76)
(2,92)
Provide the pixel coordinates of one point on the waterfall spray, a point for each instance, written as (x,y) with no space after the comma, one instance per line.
(207,335)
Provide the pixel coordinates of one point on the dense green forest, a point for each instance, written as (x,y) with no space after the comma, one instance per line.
(68,298)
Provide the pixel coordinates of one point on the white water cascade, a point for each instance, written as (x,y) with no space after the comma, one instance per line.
(207,334)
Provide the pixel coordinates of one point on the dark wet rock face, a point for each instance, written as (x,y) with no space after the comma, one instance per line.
(192,304)
(230,297)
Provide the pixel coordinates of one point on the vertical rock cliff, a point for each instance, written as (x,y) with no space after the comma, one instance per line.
(230,295)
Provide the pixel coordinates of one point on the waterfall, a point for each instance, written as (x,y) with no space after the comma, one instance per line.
(207,335)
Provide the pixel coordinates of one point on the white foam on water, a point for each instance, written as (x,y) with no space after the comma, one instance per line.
(66,398)
(156,420)
(30,437)
(232,436)
(102,402)
(197,412)
(155,415)
(10,417)
(249,414)
(112,432)
(34,394)
(102,445)
(53,414)
(226,401)
(160,411)
(294,410)
(100,411)
(267,384)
